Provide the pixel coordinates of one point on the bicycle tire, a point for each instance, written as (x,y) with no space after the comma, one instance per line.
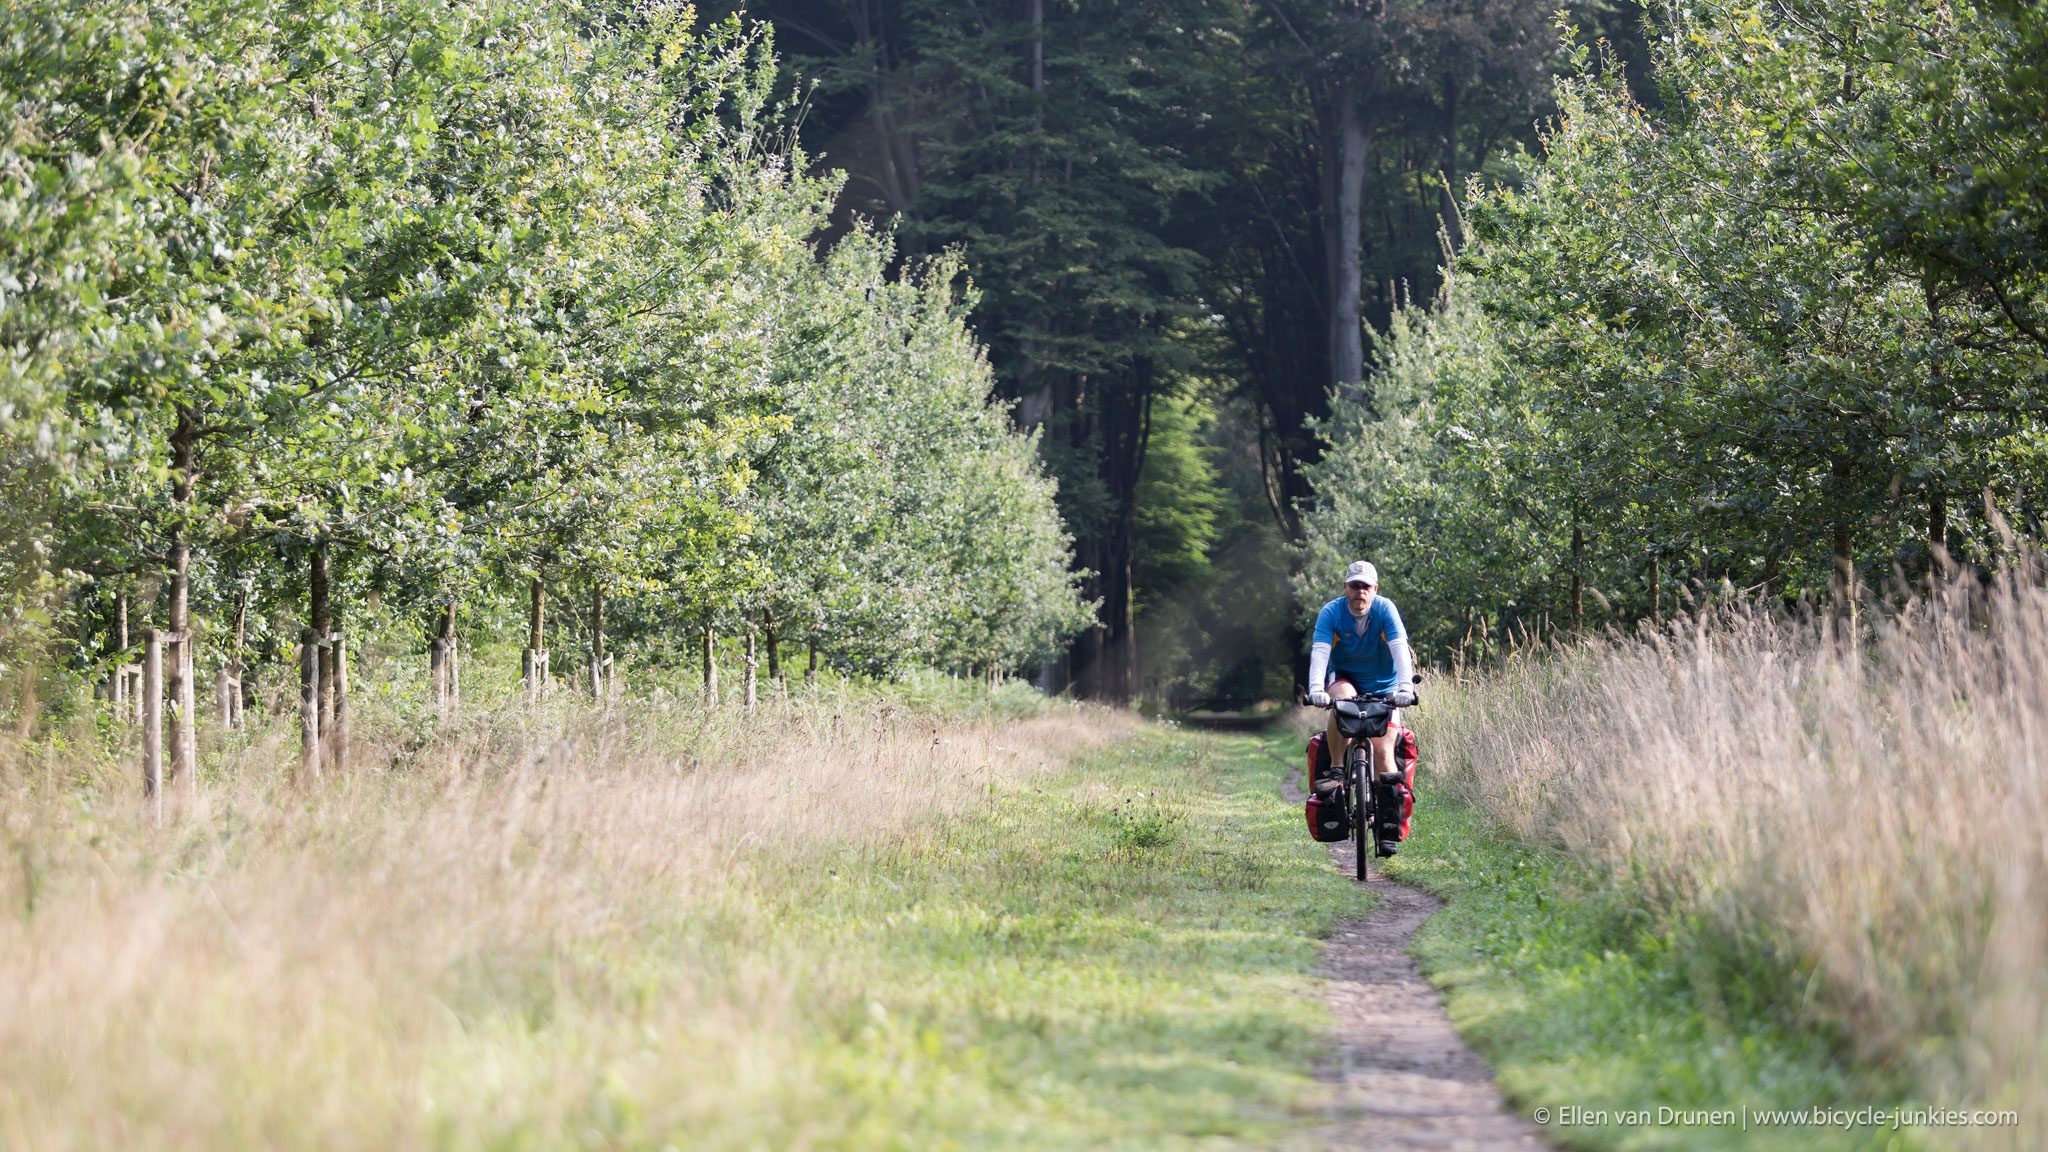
(1359,771)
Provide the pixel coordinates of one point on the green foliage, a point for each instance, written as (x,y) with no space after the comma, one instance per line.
(1574,1005)
(1182,506)
(473,294)
(1756,336)
(1119,957)
(1437,489)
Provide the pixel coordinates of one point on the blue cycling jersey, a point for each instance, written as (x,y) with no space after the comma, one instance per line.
(1361,649)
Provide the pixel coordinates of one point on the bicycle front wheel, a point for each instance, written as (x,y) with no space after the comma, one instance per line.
(1361,811)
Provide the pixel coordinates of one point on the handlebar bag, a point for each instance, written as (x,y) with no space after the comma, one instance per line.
(1363,717)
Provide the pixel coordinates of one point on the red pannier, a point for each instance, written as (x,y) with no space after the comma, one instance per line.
(1405,755)
(1328,821)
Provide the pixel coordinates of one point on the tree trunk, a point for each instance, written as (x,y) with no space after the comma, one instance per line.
(238,664)
(536,663)
(1656,589)
(184,739)
(1844,555)
(897,162)
(710,667)
(1037,90)
(320,607)
(1578,578)
(597,669)
(437,675)
(1845,569)
(1454,236)
(1104,659)
(1937,535)
(1347,332)
(774,642)
(811,672)
(1119,611)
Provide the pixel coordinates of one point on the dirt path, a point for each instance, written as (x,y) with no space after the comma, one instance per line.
(1404,1079)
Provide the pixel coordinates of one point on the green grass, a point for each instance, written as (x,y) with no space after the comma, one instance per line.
(1118,957)
(1573,1003)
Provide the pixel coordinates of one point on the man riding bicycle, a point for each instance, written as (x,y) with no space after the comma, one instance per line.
(1360,648)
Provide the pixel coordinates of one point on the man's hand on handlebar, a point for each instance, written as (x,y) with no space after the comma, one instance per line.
(1319,698)
(1405,696)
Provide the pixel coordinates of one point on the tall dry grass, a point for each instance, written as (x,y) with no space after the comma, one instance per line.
(513,934)
(1865,826)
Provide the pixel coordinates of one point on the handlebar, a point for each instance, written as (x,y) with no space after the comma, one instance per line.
(1383,697)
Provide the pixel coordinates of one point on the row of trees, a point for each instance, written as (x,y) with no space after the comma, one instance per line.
(470,307)
(1169,201)
(1786,329)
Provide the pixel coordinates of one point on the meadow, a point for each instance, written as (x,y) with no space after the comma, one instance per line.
(927,915)
(1837,846)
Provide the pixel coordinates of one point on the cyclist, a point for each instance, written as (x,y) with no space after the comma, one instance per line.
(1360,648)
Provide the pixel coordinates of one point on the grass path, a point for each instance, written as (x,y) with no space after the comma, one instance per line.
(1121,949)
(1575,1005)
(1403,1075)
(1121,956)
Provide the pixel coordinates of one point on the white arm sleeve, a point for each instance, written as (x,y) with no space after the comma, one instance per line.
(1404,665)
(1318,666)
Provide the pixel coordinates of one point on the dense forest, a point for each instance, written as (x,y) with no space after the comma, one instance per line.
(1076,340)
(461,313)
(1780,335)
(1178,212)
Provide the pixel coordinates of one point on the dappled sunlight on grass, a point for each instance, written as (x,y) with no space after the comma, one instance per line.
(1755,860)
(846,927)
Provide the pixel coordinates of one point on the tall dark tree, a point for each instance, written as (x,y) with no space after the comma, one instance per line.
(1156,191)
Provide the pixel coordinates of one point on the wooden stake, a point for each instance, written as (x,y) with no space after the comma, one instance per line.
(153,719)
(184,768)
(338,746)
(224,693)
(119,686)
(454,678)
(237,665)
(183,772)
(752,665)
(309,705)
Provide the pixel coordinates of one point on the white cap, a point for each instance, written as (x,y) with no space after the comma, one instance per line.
(1362,570)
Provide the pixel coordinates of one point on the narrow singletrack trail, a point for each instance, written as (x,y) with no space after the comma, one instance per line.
(1404,1079)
